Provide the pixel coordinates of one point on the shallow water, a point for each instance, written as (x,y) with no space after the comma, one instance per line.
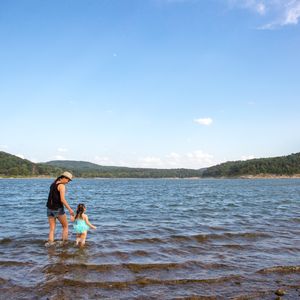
(155,239)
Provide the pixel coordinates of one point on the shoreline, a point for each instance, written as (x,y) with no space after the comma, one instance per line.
(260,176)
(269,176)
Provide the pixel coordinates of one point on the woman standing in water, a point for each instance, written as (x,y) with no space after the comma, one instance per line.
(55,206)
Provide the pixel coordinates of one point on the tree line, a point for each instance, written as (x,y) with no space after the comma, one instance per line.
(283,165)
(13,166)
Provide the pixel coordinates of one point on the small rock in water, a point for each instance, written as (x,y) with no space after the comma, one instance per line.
(280,292)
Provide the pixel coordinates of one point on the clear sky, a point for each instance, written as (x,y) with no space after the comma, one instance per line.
(150,83)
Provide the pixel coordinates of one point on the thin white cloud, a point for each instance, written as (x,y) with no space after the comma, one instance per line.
(247,157)
(261,8)
(149,162)
(63,150)
(258,6)
(59,157)
(278,12)
(204,121)
(104,160)
(292,13)
(21,156)
(191,160)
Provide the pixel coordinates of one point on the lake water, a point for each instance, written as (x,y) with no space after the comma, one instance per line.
(155,239)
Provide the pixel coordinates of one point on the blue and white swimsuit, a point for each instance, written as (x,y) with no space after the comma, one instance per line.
(80,226)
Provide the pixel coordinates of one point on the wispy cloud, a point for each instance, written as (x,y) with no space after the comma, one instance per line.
(275,13)
(292,13)
(247,157)
(204,121)
(21,156)
(59,157)
(104,160)
(193,160)
(62,150)
(257,6)
(278,12)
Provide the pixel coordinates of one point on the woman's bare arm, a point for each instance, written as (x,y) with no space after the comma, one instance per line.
(62,190)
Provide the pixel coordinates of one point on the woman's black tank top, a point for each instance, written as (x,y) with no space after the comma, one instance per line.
(54,201)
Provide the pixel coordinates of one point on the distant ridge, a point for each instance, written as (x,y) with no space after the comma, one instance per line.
(87,169)
(275,166)
(13,166)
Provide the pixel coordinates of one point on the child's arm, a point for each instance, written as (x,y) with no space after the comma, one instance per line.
(72,218)
(88,222)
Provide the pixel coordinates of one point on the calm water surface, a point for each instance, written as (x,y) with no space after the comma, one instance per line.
(156,239)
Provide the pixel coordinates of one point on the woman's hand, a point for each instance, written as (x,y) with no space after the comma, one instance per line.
(71,212)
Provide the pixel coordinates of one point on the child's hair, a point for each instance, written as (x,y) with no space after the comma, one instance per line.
(80,210)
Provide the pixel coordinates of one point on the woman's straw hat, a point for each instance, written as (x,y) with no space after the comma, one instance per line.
(67,175)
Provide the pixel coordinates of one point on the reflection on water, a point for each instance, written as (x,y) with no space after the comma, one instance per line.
(155,239)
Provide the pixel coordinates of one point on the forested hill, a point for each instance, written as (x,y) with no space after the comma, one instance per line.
(87,169)
(13,166)
(283,165)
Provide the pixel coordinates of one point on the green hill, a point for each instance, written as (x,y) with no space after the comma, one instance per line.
(13,166)
(87,169)
(283,165)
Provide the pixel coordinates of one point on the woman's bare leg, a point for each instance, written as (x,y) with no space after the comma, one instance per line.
(52,223)
(64,223)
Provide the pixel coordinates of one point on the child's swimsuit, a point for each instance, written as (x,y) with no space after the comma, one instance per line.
(80,226)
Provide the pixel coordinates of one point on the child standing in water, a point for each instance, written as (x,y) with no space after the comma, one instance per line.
(81,224)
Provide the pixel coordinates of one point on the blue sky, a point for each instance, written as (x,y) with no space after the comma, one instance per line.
(149,83)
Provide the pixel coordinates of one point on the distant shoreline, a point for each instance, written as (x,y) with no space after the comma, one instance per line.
(260,176)
(269,176)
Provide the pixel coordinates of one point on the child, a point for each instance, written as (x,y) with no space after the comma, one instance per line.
(81,224)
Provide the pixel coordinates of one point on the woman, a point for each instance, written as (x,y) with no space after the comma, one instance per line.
(55,206)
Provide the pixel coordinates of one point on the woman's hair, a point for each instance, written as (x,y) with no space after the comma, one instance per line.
(80,210)
(60,177)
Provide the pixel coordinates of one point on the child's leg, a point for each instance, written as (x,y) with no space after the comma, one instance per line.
(78,237)
(83,238)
